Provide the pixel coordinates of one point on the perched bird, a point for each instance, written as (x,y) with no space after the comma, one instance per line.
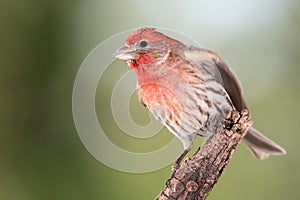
(190,90)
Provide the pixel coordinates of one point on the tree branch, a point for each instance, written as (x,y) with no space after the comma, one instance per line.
(197,175)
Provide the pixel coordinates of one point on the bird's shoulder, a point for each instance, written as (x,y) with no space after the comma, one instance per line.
(196,54)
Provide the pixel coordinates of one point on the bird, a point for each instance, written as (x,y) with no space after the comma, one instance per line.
(189,89)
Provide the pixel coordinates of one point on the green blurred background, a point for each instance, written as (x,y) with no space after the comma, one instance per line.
(42,44)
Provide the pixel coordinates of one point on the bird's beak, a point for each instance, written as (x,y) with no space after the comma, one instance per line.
(125,53)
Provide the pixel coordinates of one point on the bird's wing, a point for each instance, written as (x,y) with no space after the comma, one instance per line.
(231,83)
(222,73)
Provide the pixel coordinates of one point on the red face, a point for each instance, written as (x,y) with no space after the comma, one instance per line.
(144,47)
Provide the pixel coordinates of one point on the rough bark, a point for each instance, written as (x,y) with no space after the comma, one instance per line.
(197,175)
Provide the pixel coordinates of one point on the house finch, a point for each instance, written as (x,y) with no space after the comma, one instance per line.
(190,90)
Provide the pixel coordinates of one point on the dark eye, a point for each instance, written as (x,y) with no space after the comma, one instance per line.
(143,43)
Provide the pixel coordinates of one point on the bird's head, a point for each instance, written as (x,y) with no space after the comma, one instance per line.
(145,46)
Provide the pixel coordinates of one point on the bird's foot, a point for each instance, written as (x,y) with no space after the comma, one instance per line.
(175,167)
(228,123)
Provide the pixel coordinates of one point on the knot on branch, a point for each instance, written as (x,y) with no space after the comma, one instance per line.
(191,186)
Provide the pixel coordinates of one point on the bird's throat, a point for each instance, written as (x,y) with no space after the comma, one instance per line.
(141,62)
(132,64)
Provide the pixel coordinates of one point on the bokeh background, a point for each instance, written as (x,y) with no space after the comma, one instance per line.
(42,44)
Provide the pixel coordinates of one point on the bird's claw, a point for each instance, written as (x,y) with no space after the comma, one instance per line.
(175,167)
(228,124)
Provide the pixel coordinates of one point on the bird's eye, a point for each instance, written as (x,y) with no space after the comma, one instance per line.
(143,43)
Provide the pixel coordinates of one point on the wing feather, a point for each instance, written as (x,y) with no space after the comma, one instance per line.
(222,73)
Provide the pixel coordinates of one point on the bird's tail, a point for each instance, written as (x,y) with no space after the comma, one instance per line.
(261,146)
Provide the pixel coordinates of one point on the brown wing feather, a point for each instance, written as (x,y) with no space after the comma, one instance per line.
(231,83)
